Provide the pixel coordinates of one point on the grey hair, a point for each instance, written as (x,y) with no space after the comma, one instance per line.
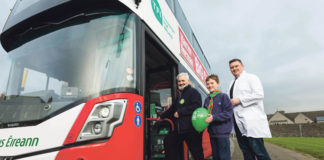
(183,74)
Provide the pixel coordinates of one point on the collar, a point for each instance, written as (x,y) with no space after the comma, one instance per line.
(242,74)
(186,88)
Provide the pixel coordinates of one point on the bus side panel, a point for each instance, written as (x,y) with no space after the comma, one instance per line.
(125,143)
(206,144)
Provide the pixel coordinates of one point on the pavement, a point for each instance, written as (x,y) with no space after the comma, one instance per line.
(275,152)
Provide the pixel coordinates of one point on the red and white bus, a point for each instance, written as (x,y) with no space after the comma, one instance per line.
(88,77)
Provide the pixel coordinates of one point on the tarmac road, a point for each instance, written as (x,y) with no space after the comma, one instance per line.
(275,152)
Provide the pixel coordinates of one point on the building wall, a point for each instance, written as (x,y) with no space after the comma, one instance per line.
(298,130)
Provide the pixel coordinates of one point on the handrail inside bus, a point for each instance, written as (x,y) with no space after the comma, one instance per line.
(165,119)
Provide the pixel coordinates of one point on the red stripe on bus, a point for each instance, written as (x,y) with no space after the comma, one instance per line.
(126,137)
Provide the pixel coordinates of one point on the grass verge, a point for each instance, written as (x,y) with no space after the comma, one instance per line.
(311,146)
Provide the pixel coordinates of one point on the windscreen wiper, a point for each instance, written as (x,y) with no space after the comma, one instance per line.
(20,123)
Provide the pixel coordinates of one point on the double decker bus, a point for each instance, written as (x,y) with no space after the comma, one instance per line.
(88,78)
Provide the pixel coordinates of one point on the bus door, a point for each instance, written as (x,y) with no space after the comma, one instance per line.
(160,88)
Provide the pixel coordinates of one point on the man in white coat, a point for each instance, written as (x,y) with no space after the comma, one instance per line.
(250,121)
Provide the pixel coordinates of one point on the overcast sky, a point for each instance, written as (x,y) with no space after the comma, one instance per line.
(281,41)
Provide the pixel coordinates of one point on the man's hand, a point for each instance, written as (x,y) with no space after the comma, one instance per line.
(176,115)
(235,101)
(209,119)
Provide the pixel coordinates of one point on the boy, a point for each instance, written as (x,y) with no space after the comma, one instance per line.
(220,119)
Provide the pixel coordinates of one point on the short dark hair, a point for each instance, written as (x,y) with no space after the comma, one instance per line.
(213,77)
(235,60)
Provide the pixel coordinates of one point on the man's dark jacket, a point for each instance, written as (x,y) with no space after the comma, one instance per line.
(191,99)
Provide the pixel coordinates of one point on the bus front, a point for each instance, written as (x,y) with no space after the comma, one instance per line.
(72,90)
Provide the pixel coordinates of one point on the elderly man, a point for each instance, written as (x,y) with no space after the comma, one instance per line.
(187,100)
(250,121)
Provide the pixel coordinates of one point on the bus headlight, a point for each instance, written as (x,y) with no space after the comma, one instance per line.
(97,128)
(102,120)
(104,112)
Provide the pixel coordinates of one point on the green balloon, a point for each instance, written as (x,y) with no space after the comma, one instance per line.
(198,119)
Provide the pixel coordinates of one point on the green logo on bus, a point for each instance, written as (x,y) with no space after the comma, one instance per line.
(163,21)
(157,11)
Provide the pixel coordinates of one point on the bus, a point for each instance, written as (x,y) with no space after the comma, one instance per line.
(88,78)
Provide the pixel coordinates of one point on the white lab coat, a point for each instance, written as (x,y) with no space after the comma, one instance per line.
(249,115)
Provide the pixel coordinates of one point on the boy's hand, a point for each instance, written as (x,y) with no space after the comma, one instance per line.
(209,119)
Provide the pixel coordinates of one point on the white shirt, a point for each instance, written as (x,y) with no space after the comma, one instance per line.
(249,115)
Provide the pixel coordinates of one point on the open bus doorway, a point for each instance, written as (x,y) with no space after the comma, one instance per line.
(160,88)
